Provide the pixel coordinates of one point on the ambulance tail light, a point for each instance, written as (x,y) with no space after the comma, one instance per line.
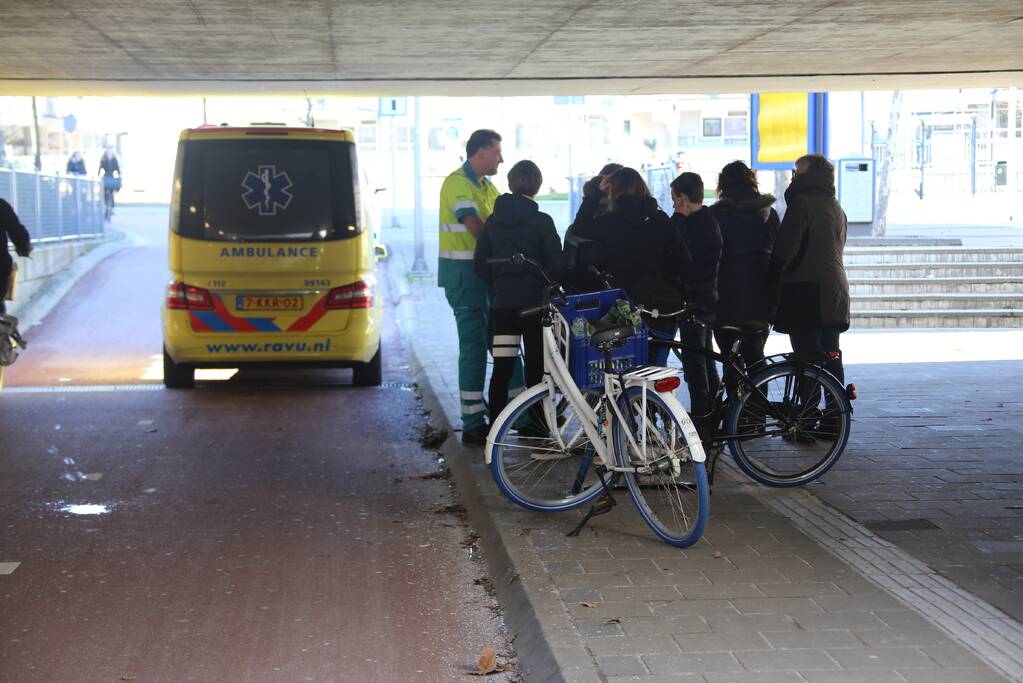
(186,297)
(356,295)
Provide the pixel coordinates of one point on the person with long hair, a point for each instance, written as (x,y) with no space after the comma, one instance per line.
(641,249)
(748,226)
(580,252)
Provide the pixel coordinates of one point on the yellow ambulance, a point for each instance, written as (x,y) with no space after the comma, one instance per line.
(272,255)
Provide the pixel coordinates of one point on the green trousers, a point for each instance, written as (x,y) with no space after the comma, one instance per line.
(472,317)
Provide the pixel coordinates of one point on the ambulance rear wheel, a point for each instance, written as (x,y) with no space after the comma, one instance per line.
(369,374)
(175,375)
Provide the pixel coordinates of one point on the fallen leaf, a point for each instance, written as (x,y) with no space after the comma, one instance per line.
(424,545)
(126,677)
(716,554)
(430,475)
(488,662)
(613,620)
(589,604)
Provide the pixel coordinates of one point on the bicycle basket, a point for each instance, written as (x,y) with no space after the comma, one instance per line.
(585,362)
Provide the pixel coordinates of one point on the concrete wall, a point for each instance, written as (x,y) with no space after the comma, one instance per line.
(47,260)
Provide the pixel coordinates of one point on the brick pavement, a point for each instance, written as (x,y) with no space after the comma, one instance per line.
(785,586)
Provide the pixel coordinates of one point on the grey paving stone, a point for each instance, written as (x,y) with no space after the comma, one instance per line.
(791,606)
(750,623)
(756,677)
(793,640)
(701,607)
(839,620)
(787,660)
(687,623)
(566,567)
(722,642)
(752,575)
(855,677)
(621,666)
(859,603)
(800,589)
(642,593)
(620,566)
(883,658)
(589,628)
(589,580)
(904,637)
(726,591)
(953,657)
(980,675)
(658,678)
(633,645)
(610,610)
(669,578)
(696,664)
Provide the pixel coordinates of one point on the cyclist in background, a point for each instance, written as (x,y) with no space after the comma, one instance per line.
(110,170)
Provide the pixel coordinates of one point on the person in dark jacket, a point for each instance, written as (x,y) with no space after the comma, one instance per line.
(517,226)
(76,164)
(748,228)
(10,227)
(580,252)
(807,264)
(641,249)
(702,237)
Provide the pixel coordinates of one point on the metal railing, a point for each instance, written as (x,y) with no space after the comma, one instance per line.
(658,179)
(54,207)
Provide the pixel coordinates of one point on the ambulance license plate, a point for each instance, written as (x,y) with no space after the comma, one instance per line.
(269,303)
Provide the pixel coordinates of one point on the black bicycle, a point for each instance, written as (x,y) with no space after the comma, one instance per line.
(788,420)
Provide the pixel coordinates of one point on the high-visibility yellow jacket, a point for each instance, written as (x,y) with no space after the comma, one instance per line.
(461,195)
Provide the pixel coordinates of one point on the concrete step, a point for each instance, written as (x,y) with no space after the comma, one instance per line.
(920,269)
(983,318)
(914,302)
(856,255)
(936,285)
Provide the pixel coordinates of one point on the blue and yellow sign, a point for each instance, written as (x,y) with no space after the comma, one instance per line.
(785,126)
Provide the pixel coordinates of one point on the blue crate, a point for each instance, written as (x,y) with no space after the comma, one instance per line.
(585,362)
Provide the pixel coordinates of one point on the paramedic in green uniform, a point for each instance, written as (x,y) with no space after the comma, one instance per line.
(466,201)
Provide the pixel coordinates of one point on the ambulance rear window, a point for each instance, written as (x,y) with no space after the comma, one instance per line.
(267,190)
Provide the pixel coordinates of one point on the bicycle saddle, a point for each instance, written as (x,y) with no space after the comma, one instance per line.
(615,336)
(755,327)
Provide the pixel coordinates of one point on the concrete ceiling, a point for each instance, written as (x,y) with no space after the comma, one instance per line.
(494,47)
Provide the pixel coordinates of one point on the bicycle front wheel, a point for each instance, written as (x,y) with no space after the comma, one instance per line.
(541,457)
(798,434)
(670,488)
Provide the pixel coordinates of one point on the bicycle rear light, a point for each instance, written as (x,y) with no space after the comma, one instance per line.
(667,384)
(850,391)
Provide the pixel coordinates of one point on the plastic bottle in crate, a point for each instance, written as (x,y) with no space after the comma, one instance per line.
(580,328)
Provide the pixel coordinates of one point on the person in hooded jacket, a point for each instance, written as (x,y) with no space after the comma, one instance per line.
(748,229)
(517,226)
(580,253)
(807,265)
(702,237)
(641,249)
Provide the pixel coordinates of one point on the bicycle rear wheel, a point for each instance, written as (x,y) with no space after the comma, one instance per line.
(798,434)
(541,458)
(673,499)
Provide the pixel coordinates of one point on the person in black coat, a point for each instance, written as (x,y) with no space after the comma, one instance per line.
(76,164)
(517,226)
(10,227)
(641,249)
(580,252)
(702,237)
(748,228)
(808,267)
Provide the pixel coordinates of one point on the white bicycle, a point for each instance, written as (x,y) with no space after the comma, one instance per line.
(556,447)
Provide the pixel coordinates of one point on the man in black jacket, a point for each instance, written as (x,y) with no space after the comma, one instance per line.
(702,237)
(517,226)
(11,227)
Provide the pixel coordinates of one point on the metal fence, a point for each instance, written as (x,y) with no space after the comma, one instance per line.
(54,207)
(658,179)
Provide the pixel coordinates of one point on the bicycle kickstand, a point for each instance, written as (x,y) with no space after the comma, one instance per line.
(601,507)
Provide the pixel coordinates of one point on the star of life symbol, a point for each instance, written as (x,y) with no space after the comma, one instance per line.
(267,190)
